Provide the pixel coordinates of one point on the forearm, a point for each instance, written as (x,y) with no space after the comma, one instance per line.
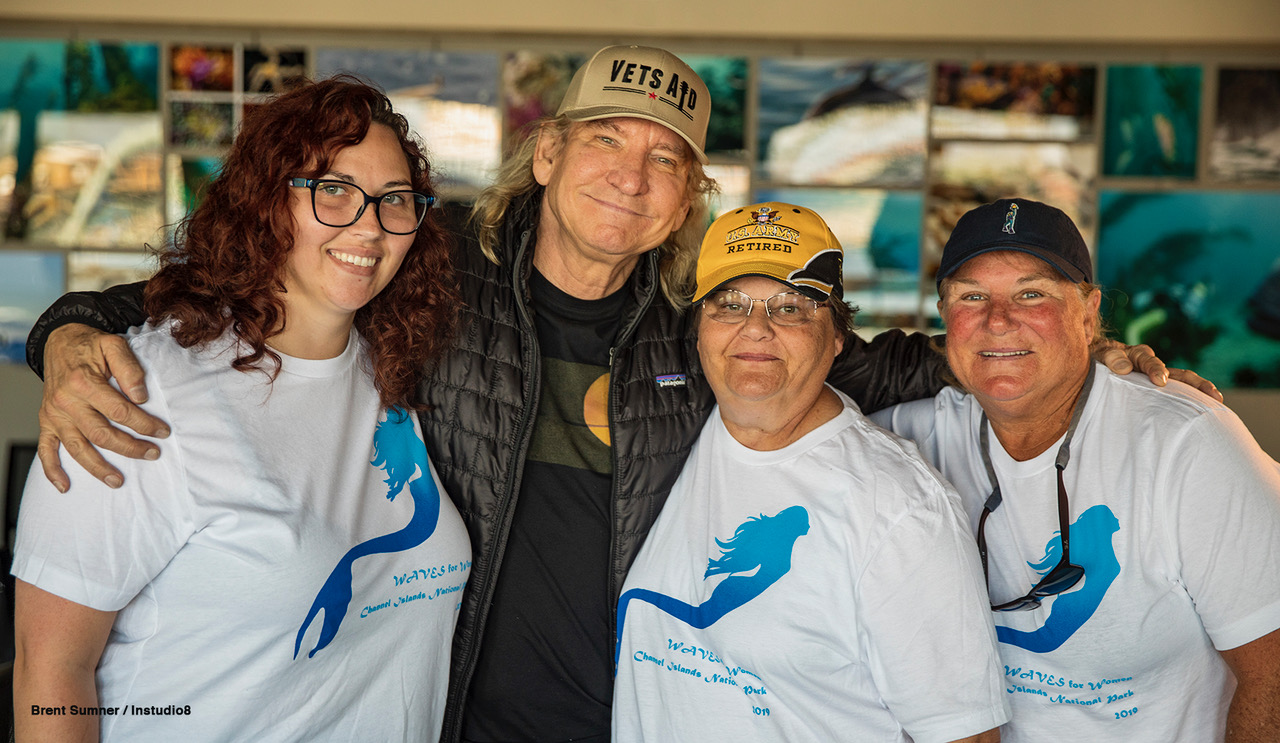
(115,311)
(1254,716)
(892,368)
(43,695)
(57,645)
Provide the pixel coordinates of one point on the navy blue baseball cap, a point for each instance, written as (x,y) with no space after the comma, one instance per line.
(1023,225)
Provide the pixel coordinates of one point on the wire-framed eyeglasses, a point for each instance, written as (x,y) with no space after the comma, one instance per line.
(732,307)
(341,203)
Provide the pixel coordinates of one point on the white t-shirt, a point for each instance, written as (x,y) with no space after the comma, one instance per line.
(267,501)
(1175,517)
(826,591)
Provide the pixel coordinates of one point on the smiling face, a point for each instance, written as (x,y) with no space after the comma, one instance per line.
(758,365)
(333,271)
(1018,333)
(615,188)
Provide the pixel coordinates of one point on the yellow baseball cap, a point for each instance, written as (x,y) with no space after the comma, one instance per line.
(783,242)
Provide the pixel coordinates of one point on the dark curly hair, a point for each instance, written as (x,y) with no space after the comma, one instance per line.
(225,267)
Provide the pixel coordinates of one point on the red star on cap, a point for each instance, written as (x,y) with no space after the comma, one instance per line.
(653,95)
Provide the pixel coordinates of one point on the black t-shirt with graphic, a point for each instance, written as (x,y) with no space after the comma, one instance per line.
(545,671)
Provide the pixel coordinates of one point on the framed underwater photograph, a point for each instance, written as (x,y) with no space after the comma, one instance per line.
(96,180)
(96,270)
(846,122)
(451,100)
(199,67)
(735,188)
(10,124)
(47,83)
(273,69)
(201,124)
(726,79)
(31,74)
(188,177)
(29,282)
(1246,132)
(533,85)
(1196,275)
(1013,100)
(1153,120)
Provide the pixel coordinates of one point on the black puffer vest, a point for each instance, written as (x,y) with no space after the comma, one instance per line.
(484,395)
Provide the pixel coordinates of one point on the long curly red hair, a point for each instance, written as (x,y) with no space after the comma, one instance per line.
(225,267)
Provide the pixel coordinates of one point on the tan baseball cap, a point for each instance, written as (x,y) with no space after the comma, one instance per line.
(642,82)
(778,241)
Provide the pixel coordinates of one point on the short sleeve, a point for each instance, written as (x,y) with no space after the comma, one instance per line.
(1225,524)
(100,547)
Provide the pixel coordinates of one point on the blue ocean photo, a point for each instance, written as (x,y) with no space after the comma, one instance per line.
(1196,275)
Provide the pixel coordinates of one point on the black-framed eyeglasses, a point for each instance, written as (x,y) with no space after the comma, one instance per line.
(341,204)
(732,307)
(1064,575)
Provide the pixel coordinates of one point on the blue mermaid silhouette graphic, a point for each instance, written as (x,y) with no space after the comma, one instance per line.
(398,450)
(763,542)
(1092,549)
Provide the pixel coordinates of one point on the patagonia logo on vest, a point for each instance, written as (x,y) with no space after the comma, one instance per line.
(670,380)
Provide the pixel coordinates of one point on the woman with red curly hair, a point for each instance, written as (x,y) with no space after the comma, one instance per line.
(289,570)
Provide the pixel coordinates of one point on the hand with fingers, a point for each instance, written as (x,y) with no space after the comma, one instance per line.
(81,409)
(1123,359)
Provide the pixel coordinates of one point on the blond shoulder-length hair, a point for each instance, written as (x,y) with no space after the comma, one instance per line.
(677,255)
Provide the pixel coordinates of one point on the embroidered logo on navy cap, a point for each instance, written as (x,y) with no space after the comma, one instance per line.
(1009,218)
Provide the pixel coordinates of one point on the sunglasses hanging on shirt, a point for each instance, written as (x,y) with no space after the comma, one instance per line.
(1064,575)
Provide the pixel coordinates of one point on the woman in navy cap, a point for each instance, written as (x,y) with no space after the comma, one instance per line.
(1130,535)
